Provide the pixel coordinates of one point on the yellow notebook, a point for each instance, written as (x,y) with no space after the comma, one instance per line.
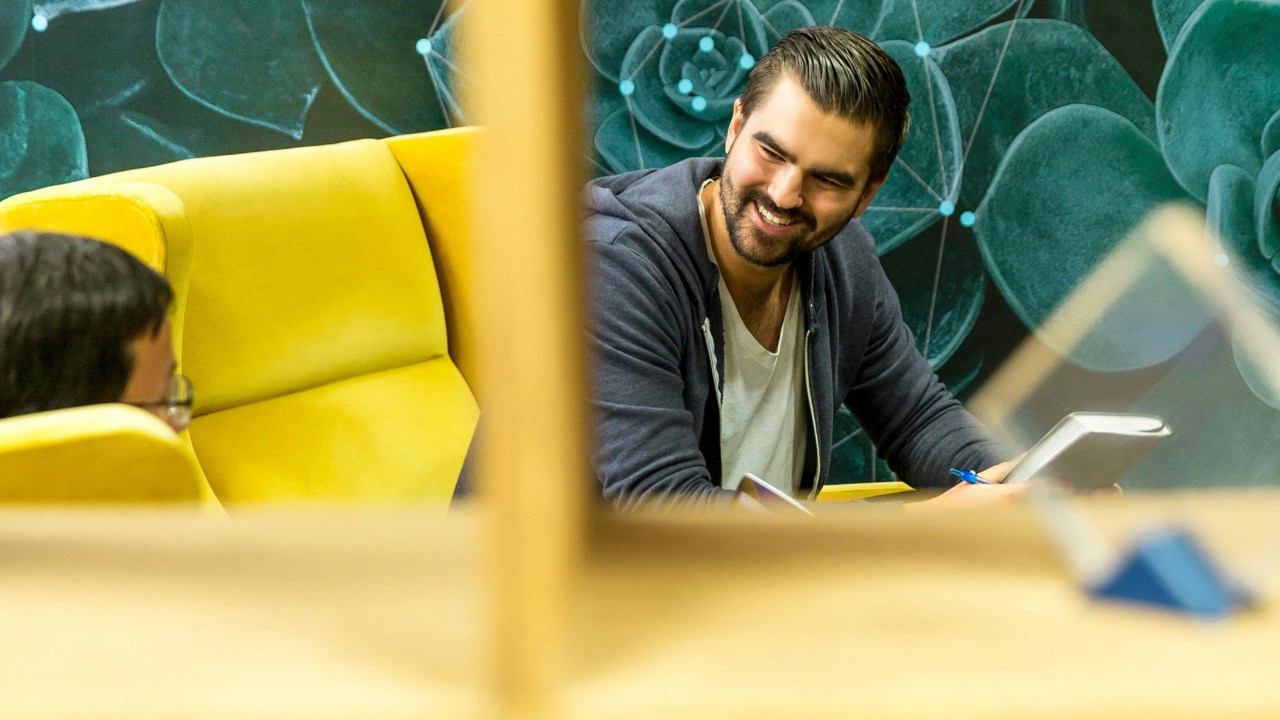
(857,491)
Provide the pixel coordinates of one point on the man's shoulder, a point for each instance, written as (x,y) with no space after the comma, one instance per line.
(661,201)
(852,249)
(644,228)
(848,273)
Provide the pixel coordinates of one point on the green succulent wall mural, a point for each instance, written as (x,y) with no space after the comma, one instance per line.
(1042,130)
(93,86)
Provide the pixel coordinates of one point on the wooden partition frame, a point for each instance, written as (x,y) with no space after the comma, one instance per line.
(527,93)
(720,616)
(381,612)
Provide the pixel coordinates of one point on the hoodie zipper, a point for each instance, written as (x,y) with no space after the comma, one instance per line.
(711,356)
(813,419)
(715,383)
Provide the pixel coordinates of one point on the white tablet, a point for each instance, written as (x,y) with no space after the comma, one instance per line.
(758,494)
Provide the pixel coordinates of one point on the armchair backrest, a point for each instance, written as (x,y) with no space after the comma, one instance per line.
(95,454)
(308,314)
(437,166)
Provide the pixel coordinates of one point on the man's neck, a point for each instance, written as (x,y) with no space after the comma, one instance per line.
(747,282)
(759,293)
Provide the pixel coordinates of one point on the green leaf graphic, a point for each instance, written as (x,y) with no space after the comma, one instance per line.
(863,16)
(371,53)
(936,21)
(1049,63)
(130,140)
(1219,90)
(625,145)
(927,171)
(252,60)
(1053,212)
(40,139)
(15,18)
(608,29)
(1271,136)
(122,43)
(1171,15)
(941,298)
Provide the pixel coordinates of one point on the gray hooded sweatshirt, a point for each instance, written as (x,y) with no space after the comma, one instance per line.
(658,349)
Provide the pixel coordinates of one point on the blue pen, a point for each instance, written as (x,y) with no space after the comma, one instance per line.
(969,476)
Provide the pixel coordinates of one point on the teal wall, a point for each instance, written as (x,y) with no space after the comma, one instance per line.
(94,86)
(1042,130)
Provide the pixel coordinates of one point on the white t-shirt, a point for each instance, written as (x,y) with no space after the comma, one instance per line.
(762,419)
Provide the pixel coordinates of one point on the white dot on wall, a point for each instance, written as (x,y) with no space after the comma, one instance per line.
(922,49)
(423,47)
(39,23)
(1222,260)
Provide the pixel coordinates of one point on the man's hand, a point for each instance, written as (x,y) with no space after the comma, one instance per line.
(964,494)
(997,473)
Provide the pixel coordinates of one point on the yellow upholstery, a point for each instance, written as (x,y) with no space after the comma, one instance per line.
(437,174)
(99,453)
(308,313)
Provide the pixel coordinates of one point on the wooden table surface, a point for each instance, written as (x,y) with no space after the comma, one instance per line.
(958,616)
(382,613)
(155,614)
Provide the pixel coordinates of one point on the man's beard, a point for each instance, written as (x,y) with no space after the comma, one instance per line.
(736,206)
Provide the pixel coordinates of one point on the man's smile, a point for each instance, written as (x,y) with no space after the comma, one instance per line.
(772,218)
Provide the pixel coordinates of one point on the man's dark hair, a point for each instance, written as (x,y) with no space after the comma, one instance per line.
(69,309)
(846,74)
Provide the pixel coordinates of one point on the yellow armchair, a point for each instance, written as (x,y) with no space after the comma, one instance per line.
(95,454)
(308,310)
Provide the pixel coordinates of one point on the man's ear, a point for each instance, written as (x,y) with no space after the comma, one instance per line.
(735,124)
(868,195)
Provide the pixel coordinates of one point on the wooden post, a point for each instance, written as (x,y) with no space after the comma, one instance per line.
(524,75)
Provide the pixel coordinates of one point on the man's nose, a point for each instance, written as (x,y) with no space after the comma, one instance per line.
(785,189)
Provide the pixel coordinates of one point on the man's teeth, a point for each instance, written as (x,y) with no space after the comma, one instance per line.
(772,218)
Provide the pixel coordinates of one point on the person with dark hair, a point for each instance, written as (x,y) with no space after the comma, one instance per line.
(84,322)
(737,303)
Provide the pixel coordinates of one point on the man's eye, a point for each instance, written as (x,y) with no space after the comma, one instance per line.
(829,182)
(770,154)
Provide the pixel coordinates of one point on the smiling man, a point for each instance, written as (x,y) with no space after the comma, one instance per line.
(737,303)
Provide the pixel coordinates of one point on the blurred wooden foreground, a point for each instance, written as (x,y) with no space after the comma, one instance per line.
(324,614)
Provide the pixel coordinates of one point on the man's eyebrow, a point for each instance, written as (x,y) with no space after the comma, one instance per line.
(765,138)
(838,176)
